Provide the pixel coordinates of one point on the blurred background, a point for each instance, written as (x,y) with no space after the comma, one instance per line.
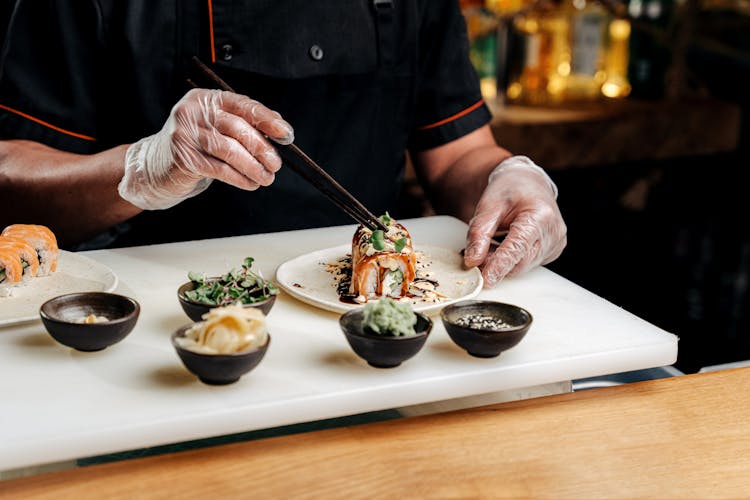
(638,112)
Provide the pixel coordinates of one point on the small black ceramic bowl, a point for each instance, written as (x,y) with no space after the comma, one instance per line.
(506,326)
(196,310)
(218,369)
(61,314)
(383,351)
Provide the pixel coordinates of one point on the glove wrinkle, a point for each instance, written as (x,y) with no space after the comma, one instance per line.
(520,196)
(209,134)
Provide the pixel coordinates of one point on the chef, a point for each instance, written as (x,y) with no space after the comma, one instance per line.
(103,138)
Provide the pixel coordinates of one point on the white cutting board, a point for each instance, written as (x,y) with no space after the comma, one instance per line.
(58,404)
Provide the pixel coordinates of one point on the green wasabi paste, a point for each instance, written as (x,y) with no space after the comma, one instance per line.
(388,317)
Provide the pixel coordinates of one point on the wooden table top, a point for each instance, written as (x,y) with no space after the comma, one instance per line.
(684,437)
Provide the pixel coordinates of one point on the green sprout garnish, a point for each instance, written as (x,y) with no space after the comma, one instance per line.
(238,286)
(400,244)
(386,219)
(378,240)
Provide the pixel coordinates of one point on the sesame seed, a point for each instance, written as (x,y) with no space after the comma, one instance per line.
(482,322)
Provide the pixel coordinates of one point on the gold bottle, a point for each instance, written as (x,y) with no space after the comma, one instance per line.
(539,39)
(616,59)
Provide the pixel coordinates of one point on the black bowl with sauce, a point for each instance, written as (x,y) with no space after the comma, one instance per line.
(62,318)
(485,328)
(196,310)
(383,351)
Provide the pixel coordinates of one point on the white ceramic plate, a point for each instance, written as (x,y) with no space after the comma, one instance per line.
(75,273)
(305,278)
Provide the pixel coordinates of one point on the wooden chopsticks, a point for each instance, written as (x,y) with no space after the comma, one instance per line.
(311,172)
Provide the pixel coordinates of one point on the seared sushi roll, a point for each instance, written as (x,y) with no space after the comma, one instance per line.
(26,252)
(11,270)
(383,263)
(42,239)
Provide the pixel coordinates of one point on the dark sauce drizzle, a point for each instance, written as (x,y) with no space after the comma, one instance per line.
(345,279)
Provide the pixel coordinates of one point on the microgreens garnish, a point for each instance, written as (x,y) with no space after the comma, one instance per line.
(400,244)
(241,286)
(386,219)
(378,240)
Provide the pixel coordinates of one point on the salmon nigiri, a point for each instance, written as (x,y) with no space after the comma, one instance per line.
(11,270)
(27,253)
(42,239)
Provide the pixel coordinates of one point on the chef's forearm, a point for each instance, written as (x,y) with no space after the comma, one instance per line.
(456,173)
(75,195)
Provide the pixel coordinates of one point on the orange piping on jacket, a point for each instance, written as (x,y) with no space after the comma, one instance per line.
(211,30)
(453,117)
(46,124)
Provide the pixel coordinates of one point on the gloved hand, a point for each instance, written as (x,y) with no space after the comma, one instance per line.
(210,134)
(519,198)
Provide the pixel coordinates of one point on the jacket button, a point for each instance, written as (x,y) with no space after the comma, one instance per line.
(316,53)
(226,52)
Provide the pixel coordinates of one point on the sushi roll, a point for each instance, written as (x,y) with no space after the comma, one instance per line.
(11,270)
(26,252)
(42,239)
(383,263)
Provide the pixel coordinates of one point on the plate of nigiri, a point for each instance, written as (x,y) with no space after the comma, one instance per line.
(33,270)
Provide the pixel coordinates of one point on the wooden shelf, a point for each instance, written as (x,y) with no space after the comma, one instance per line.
(617,131)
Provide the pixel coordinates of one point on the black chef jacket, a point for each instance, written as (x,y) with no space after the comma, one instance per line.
(361,81)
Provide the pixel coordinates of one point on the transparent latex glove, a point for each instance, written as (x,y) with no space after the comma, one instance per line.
(520,198)
(210,134)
